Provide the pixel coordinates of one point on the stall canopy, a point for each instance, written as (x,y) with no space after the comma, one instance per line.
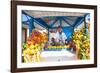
(50,20)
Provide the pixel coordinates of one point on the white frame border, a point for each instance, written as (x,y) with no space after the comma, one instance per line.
(44,64)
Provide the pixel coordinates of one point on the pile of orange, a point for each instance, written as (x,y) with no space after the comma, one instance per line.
(37,37)
(34,45)
(82,42)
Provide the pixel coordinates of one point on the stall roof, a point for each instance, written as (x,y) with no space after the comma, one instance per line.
(54,19)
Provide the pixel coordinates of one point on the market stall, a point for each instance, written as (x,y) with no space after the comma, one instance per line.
(41,42)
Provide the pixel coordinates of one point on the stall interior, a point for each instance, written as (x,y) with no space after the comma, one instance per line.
(55,36)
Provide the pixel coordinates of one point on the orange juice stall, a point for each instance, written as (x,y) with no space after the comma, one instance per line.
(54,36)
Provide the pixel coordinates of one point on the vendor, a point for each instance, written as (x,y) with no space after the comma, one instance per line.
(60,36)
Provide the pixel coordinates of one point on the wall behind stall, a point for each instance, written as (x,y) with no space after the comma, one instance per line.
(5,36)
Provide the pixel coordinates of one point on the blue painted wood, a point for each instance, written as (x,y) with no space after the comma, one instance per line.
(77,21)
(26,14)
(51,25)
(60,21)
(67,22)
(48,34)
(41,22)
(31,25)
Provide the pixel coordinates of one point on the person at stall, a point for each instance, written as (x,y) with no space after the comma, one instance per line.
(66,42)
(53,42)
(60,36)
